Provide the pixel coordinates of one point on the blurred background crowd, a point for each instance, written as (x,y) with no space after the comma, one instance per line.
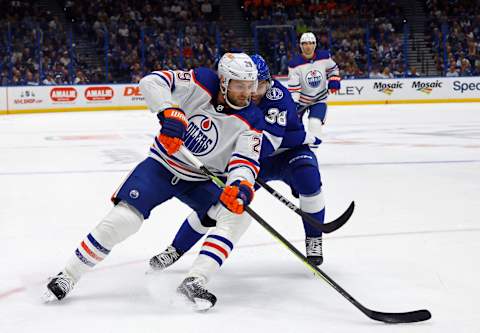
(78,42)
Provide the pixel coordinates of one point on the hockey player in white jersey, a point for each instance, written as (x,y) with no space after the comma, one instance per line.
(212,115)
(311,75)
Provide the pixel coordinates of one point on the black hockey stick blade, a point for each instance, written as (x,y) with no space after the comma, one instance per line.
(326,227)
(400,317)
(340,221)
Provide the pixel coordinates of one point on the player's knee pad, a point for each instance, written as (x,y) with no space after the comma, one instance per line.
(200,226)
(313,203)
(230,225)
(120,223)
(306,179)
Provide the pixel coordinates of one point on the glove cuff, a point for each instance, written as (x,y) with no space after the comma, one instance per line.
(176,114)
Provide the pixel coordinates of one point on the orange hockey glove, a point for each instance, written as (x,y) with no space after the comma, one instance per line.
(237,195)
(174,124)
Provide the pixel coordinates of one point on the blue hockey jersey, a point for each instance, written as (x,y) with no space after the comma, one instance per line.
(283,128)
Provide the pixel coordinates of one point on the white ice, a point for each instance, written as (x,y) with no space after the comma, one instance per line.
(412,243)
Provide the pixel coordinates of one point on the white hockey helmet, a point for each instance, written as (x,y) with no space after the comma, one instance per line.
(236,66)
(308,37)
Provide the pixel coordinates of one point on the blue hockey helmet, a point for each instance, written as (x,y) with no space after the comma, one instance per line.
(262,67)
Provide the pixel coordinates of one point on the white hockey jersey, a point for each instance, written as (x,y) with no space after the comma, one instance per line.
(308,78)
(228,143)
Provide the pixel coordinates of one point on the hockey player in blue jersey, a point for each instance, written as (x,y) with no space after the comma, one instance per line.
(285,155)
(213,116)
(311,76)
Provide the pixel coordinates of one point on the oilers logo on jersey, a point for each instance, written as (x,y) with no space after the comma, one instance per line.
(274,94)
(314,78)
(202,135)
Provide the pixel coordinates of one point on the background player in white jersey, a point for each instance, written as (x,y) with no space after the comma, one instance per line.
(213,117)
(311,75)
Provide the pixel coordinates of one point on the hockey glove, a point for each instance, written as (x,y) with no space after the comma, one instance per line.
(334,84)
(237,195)
(174,124)
(311,140)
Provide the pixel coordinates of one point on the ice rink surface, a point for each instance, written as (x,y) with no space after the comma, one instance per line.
(412,243)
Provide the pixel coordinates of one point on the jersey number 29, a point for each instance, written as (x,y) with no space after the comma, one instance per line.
(274,115)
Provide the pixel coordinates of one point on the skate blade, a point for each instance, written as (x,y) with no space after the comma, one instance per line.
(48,297)
(198,305)
(202,305)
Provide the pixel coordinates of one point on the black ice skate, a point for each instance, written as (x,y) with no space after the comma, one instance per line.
(314,250)
(164,259)
(58,287)
(192,288)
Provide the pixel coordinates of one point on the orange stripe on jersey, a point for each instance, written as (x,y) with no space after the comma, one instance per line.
(90,252)
(218,247)
(250,164)
(169,75)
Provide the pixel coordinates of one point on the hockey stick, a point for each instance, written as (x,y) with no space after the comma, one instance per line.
(326,227)
(386,317)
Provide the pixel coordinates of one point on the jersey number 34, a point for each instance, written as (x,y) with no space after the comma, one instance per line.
(274,115)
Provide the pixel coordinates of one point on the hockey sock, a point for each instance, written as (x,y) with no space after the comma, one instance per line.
(219,243)
(312,201)
(310,231)
(122,221)
(189,234)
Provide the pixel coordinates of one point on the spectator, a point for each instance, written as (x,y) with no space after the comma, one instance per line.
(386,74)
(413,72)
(452,71)
(48,80)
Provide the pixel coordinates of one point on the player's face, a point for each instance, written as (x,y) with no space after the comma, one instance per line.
(239,92)
(307,48)
(261,90)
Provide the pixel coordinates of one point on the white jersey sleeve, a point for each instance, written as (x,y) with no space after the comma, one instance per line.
(157,88)
(294,86)
(331,69)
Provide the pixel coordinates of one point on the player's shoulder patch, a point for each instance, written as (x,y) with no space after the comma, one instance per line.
(321,55)
(207,79)
(274,94)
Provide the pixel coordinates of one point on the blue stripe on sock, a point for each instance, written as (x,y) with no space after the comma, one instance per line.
(97,245)
(83,259)
(213,256)
(224,240)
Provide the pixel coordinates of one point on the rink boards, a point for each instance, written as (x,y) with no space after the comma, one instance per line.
(39,99)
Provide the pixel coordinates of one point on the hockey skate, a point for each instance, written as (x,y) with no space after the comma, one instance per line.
(314,250)
(164,259)
(192,288)
(58,287)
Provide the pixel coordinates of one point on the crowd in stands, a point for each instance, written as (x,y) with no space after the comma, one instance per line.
(457,22)
(129,38)
(363,36)
(33,48)
(140,36)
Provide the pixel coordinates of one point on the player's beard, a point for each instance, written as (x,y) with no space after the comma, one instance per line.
(240,101)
